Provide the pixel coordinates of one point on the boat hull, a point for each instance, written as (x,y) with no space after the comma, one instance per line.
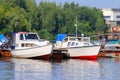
(111,52)
(90,52)
(36,52)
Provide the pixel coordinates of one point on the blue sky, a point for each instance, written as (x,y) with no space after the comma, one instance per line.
(90,3)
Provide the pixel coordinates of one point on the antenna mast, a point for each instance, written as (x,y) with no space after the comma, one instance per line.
(76,26)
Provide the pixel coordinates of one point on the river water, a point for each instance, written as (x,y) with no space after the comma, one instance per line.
(71,69)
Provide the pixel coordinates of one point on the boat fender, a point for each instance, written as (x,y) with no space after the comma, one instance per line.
(12,47)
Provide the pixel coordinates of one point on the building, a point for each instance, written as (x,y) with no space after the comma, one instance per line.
(112,17)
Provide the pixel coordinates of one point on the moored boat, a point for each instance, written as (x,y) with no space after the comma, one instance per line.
(111,46)
(78,47)
(29,45)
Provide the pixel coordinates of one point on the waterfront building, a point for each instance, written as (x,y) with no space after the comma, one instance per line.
(111,16)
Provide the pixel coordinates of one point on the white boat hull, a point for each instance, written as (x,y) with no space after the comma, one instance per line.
(90,52)
(35,52)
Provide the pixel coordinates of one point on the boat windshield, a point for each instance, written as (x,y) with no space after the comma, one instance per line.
(31,36)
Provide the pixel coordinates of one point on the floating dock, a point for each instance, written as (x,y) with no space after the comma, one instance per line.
(60,54)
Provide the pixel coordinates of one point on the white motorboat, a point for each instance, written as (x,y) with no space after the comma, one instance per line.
(29,45)
(78,47)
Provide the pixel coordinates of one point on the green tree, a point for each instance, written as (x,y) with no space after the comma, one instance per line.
(49,19)
(47,14)
(17,19)
(44,34)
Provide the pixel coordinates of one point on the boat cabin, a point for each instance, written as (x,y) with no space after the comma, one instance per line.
(23,40)
(77,41)
(64,41)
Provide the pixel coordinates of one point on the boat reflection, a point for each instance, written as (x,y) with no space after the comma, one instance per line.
(76,69)
(71,69)
(28,69)
(109,68)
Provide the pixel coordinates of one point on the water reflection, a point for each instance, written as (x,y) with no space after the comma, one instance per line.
(75,70)
(110,69)
(72,69)
(26,69)
(32,69)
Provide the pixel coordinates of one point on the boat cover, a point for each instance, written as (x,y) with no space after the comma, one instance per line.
(60,37)
(3,38)
(113,41)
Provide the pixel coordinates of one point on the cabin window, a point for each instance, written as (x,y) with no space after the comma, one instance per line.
(27,45)
(69,43)
(31,36)
(106,16)
(66,39)
(117,16)
(72,39)
(21,37)
(86,44)
(32,45)
(23,45)
(77,43)
(73,43)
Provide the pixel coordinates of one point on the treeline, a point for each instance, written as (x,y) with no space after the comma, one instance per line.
(48,18)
